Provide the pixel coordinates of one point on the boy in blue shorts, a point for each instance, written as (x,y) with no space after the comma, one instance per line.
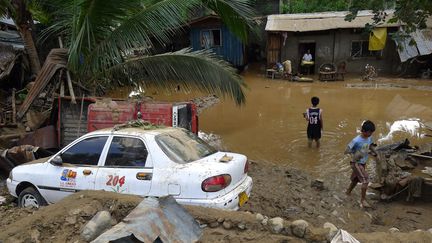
(359,149)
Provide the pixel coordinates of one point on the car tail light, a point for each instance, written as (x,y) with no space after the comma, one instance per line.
(246,168)
(216,183)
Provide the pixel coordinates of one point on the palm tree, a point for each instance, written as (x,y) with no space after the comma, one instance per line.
(19,12)
(102,34)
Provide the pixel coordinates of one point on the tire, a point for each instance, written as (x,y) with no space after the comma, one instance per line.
(31,198)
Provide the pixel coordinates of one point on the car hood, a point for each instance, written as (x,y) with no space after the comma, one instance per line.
(41,160)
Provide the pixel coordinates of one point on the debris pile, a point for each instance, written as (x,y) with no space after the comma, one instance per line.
(400,170)
(9,158)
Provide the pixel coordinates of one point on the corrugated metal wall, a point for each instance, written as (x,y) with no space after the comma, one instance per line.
(71,126)
(232,49)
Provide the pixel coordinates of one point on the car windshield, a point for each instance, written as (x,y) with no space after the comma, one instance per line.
(182,146)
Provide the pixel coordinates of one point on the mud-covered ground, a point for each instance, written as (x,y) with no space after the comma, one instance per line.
(278,191)
(286,192)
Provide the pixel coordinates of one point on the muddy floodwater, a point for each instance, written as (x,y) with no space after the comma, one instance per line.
(270,126)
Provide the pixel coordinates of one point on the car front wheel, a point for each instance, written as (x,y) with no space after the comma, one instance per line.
(30,198)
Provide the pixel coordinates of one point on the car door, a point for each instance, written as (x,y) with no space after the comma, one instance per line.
(127,167)
(78,170)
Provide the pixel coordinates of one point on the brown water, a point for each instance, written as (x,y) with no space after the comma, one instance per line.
(271,127)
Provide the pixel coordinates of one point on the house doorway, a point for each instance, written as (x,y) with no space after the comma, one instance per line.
(304,46)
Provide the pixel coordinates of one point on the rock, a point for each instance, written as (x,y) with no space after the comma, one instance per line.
(394,230)
(34,235)
(227,225)
(335,213)
(265,221)
(298,227)
(241,226)
(332,230)
(214,224)
(276,224)
(259,217)
(220,220)
(318,184)
(75,211)
(89,210)
(293,210)
(71,220)
(100,222)
(429,230)
(313,234)
(2,200)
(321,217)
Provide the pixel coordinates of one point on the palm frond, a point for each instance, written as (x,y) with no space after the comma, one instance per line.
(158,20)
(202,70)
(237,15)
(5,8)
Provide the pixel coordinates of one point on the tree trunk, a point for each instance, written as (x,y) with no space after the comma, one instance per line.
(24,22)
(31,49)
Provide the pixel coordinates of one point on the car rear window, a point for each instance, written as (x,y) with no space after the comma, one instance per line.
(182,146)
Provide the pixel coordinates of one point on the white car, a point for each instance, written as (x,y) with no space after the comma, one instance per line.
(156,162)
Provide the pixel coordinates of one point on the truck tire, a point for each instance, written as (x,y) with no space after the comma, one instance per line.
(30,198)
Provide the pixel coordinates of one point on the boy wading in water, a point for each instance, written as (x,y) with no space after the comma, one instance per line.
(313,116)
(359,148)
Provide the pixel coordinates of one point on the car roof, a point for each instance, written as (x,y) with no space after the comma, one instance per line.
(133,131)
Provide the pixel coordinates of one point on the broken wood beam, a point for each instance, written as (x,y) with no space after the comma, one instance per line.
(62,89)
(71,91)
(13,107)
(57,59)
(421,156)
(69,80)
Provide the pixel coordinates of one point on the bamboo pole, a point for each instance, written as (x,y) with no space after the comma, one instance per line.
(69,80)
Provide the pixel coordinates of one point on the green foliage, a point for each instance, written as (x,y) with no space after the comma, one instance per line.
(103,34)
(311,6)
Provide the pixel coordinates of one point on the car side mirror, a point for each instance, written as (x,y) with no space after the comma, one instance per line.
(57,160)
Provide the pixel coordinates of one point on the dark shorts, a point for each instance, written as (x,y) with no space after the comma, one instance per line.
(314,132)
(359,173)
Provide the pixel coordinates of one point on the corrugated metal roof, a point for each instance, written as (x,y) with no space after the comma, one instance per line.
(321,21)
(12,38)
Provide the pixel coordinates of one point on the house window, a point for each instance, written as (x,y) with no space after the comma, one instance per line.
(211,38)
(360,49)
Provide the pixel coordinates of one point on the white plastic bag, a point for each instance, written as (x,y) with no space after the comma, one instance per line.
(343,236)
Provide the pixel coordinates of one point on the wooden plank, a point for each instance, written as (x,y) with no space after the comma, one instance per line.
(421,156)
(13,107)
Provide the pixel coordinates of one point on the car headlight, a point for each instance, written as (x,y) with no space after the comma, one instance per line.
(10,175)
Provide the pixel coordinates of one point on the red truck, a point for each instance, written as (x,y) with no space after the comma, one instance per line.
(91,114)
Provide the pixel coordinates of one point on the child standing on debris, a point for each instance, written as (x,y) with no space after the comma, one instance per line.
(313,116)
(359,149)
